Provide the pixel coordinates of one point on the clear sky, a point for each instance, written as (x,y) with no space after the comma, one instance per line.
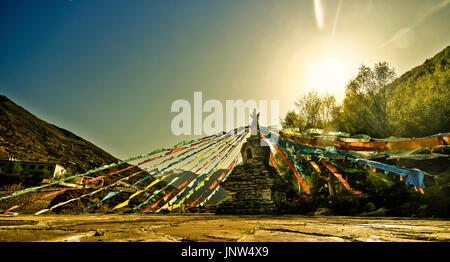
(110,70)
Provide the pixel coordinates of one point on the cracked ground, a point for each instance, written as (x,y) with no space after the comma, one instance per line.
(213,228)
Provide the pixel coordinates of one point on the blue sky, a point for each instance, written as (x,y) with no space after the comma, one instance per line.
(109,70)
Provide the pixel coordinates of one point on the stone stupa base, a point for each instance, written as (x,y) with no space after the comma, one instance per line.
(253,187)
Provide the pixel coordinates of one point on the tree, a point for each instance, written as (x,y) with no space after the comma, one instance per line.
(420,103)
(365,107)
(330,111)
(292,120)
(314,111)
(310,108)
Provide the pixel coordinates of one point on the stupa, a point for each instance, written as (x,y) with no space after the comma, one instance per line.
(253,187)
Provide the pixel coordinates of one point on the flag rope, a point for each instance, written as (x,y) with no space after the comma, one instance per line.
(215,183)
(31,189)
(126,202)
(100,177)
(203,166)
(218,164)
(112,194)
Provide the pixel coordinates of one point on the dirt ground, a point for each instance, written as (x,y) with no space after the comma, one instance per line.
(213,228)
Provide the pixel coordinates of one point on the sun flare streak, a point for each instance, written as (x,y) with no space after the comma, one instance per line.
(318,8)
(336,19)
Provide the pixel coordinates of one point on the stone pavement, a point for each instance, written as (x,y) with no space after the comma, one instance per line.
(215,228)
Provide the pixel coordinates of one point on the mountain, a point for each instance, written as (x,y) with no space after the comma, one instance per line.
(28,138)
(420,98)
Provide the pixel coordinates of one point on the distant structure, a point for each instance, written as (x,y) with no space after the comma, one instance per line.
(253,187)
(27,167)
(254,125)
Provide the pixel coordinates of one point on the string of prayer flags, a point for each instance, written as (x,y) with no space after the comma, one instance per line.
(180,201)
(204,165)
(291,166)
(201,140)
(334,171)
(112,194)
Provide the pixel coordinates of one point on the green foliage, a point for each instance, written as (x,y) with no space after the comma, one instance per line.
(380,181)
(420,103)
(292,121)
(286,173)
(314,111)
(384,193)
(365,104)
(414,105)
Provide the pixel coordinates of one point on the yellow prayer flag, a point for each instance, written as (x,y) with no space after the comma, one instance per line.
(135,194)
(122,204)
(152,184)
(316,167)
(188,196)
(199,186)
(162,178)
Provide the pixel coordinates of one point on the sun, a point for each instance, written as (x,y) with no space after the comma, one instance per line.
(327,75)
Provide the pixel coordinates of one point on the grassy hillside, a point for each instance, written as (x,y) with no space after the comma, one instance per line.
(420,102)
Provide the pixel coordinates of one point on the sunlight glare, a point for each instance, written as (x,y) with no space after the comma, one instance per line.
(327,76)
(318,9)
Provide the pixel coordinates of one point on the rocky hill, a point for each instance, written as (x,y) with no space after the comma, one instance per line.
(28,138)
